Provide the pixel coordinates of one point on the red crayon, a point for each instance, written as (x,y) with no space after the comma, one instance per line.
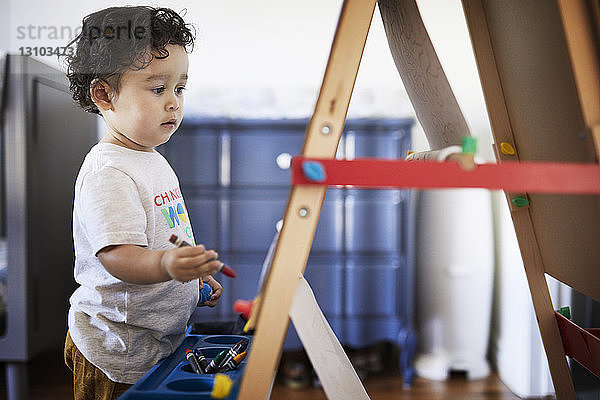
(224,269)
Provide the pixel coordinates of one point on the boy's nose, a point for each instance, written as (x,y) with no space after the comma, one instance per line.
(172,103)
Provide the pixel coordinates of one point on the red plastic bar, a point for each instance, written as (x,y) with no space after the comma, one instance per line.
(515,177)
(580,344)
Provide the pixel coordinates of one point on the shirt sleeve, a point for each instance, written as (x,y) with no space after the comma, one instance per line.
(111,209)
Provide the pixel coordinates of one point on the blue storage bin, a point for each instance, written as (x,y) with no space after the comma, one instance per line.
(377,139)
(194,154)
(373,221)
(329,235)
(371,283)
(373,299)
(204,215)
(173,377)
(366,330)
(255,212)
(258,155)
(249,267)
(325,273)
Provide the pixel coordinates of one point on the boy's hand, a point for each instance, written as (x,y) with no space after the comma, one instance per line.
(190,262)
(217,292)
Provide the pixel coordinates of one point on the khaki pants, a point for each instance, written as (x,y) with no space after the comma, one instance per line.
(89,383)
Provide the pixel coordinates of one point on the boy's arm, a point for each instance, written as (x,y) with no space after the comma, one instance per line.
(138,265)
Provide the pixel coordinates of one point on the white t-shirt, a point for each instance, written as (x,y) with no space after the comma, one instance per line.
(124,196)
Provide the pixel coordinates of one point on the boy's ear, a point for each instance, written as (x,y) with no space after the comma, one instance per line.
(101,94)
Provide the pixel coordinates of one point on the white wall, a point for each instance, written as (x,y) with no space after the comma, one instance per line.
(266,58)
(260,58)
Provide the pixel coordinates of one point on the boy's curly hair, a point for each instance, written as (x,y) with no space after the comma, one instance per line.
(118,39)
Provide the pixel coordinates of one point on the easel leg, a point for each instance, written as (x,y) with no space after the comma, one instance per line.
(295,239)
(542,303)
(304,204)
(496,99)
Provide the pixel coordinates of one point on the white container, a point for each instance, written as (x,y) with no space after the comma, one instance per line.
(455,267)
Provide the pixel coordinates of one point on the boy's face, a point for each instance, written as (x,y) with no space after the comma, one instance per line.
(149,106)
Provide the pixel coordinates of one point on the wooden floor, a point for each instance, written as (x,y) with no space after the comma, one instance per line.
(391,388)
(50,379)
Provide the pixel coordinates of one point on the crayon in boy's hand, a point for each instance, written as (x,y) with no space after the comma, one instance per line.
(224,269)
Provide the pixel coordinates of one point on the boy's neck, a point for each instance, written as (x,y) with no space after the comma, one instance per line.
(123,141)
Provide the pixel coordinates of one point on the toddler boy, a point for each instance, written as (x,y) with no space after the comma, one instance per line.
(137,292)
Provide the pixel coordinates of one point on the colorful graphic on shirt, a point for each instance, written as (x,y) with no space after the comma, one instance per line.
(175,213)
(167,197)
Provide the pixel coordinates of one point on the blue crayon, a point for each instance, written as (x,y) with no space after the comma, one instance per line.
(205,293)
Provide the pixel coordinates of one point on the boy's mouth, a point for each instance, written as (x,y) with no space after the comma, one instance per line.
(169,123)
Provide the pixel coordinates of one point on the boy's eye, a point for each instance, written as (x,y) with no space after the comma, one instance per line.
(158,90)
(180,89)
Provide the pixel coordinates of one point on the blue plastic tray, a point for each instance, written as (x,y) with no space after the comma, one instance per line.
(173,377)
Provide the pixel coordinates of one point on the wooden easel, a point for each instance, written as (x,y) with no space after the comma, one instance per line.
(520,111)
(322,137)
(304,204)
(444,125)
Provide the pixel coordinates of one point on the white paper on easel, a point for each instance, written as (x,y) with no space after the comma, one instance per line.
(336,373)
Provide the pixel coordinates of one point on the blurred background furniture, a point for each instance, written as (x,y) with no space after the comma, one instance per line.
(44,138)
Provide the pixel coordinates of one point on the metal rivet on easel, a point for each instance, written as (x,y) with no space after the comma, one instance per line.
(325,129)
(303,212)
